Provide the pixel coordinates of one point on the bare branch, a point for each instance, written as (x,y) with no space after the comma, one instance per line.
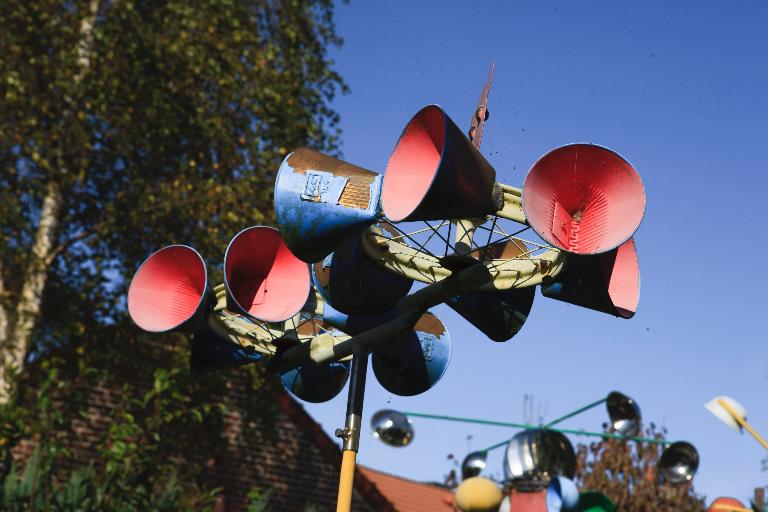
(3,310)
(63,246)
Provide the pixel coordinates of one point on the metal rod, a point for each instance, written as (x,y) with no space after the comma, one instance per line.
(351,432)
(410,308)
(526,426)
(576,412)
(469,420)
(743,423)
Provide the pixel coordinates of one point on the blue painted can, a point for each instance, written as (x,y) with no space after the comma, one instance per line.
(316,383)
(406,364)
(321,201)
(209,352)
(498,314)
(350,282)
(562,495)
(415,361)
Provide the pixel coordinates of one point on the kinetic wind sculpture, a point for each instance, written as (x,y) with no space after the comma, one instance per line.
(539,460)
(332,285)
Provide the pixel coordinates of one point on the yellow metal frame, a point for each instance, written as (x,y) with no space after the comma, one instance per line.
(523,271)
(401,259)
(259,336)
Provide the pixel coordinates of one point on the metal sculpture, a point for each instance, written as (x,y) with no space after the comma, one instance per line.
(536,455)
(357,229)
(265,281)
(473,464)
(562,495)
(436,173)
(679,462)
(541,457)
(346,277)
(392,427)
(624,413)
(583,198)
(169,291)
(321,201)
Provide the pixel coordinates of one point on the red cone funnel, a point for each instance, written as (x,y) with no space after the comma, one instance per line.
(263,278)
(168,289)
(607,282)
(436,173)
(583,198)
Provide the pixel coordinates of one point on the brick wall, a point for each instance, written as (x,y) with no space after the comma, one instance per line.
(271,442)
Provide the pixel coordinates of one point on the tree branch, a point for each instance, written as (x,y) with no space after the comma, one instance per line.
(3,310)
(63,246)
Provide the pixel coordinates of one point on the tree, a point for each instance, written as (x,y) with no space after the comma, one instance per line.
(130,124)
(626,472)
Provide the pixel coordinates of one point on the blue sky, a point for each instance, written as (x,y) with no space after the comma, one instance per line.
(680,89)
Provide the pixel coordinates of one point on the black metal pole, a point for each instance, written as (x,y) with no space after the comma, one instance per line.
(350,434)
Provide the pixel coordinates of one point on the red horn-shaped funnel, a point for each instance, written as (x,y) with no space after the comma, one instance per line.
(436,173)
(169,290)
(608,282)
(583,198)
(264,280)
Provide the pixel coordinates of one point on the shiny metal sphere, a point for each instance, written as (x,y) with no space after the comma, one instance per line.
(536,455)
(473,464)
(624,413)
(392,427)
(679,463)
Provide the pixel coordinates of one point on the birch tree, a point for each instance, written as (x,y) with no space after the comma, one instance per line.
(127,125)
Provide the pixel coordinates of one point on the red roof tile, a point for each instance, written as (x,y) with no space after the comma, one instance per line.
(409,496)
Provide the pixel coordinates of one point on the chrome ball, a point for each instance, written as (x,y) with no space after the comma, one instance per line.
(679,463)
(624,413)
(392,427)
(536,455)
(473,464)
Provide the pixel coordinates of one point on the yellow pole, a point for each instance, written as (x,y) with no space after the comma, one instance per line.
(743,423)
(350,434)
(345,481)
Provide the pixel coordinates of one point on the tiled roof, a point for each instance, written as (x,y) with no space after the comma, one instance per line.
(407,495)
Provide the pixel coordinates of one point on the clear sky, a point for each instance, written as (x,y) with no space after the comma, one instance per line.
(680,89)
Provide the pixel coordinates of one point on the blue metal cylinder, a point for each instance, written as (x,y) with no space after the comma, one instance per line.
(415,361)
(497,314)
(209,352)
(562,495)
(316,383)
(353,284)
(321,201)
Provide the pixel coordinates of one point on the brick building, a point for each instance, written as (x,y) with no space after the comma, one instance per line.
(266,440)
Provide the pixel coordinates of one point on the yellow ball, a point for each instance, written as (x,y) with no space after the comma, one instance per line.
(478,494)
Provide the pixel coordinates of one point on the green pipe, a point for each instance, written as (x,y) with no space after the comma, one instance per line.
(469,420)
(526,426)
(574,413)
